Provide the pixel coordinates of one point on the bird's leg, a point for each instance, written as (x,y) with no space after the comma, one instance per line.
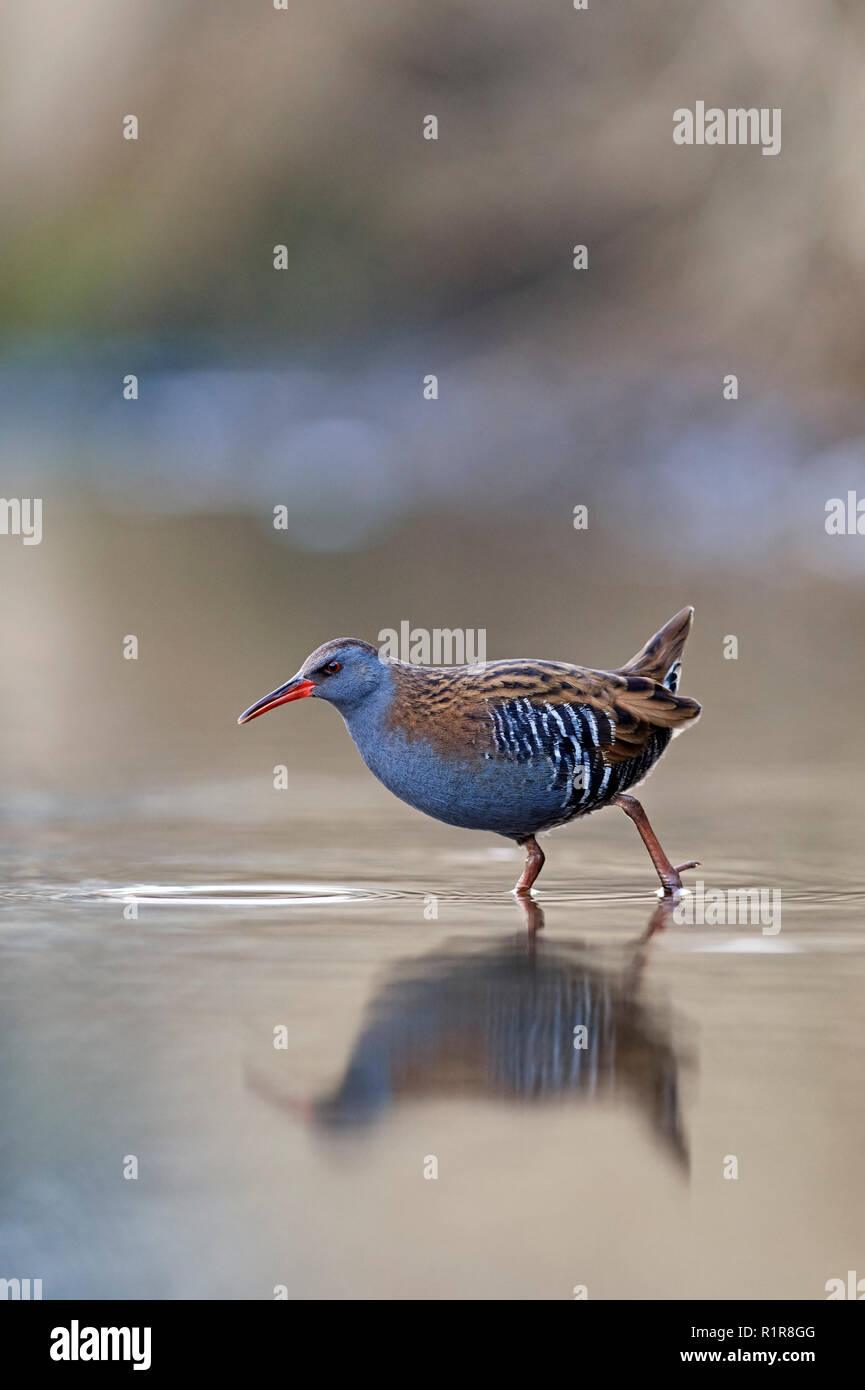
(668,875)
(534,864)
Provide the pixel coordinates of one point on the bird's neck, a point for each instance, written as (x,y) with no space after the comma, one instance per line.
(366,720)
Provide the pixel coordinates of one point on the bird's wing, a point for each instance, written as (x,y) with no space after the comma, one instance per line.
(527,709)
(536,706)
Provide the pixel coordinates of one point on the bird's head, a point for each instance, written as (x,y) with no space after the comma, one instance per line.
(344,672)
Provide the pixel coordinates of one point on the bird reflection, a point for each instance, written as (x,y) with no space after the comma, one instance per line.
(501,1020)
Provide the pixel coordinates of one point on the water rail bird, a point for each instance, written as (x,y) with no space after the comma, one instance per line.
(514,747)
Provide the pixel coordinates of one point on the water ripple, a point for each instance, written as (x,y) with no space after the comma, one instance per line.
(229,894)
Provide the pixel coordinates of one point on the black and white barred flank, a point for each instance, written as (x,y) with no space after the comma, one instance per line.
(571,739)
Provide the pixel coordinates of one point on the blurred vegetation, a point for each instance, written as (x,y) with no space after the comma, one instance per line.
(261,127)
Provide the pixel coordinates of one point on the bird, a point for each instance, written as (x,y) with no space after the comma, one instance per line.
(516,747)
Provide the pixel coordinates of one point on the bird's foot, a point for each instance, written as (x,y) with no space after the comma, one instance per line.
(671,881)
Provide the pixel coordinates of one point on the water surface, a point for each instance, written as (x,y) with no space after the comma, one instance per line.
(152,946)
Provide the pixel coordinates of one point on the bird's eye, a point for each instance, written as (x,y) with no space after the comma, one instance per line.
(332,668)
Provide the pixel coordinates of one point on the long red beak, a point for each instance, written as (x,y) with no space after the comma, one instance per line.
(295,689)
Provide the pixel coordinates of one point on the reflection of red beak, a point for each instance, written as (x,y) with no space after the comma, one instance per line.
(301,1106)
(295,689)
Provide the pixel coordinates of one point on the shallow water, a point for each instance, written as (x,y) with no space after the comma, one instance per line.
(152,946)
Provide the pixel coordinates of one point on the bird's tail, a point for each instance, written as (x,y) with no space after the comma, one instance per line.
(661,657)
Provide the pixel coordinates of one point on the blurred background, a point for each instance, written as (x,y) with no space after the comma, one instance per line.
(406,257)
(303,388)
